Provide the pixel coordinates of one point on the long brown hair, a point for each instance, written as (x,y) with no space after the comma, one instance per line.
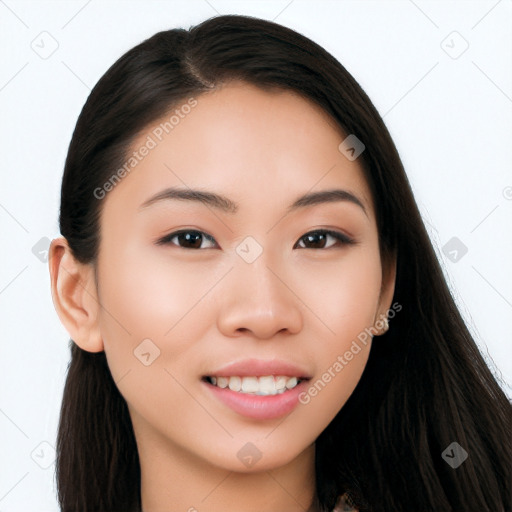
(425,385)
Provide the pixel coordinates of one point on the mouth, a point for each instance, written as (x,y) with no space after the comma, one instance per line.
(262,398)
(267,385)
(259,389)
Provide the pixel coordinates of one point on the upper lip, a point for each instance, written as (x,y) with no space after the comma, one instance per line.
(260,368)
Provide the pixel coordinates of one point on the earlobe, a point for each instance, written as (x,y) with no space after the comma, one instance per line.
(386,297)
(74,296)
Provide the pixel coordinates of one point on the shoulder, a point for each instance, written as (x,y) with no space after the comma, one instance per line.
(344,504)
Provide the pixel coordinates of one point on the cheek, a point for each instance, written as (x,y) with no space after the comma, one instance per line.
(147,296)
(137,303)
(343,293)
(149,325)
(345,302)
(328,392)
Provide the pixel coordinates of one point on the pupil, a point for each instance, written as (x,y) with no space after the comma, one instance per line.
(316,235)
(193,238)
(189,238)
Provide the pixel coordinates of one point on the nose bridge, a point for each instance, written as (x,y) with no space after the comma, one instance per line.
(257,297)
(260,277)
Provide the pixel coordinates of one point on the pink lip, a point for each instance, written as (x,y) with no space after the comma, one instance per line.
(256,406)
(260,368)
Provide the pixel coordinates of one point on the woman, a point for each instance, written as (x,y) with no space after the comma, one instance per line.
(258,318)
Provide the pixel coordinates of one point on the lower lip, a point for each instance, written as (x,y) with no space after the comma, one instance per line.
(259,407)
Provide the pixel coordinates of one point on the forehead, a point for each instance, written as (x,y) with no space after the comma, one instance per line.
(244,142)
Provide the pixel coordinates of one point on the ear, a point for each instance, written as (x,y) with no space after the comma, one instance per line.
(386,296)
(74,295)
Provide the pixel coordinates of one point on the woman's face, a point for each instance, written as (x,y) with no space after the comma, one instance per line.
(246,284)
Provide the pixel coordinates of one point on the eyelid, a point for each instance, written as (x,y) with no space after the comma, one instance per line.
(341,237)
(167,238)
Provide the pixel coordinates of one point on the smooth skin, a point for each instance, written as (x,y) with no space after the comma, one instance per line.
(204,306)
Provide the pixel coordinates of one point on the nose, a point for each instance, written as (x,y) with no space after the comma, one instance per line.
(258,300)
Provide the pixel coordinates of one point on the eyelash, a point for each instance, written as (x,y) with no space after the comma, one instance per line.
(340,237)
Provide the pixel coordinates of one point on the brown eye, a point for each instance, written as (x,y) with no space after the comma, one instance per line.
(317,239)
(189,239)
(193,239)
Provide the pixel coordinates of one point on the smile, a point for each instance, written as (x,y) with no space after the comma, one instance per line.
(263,386)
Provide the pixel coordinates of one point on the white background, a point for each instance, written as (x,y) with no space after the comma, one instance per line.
(451,119)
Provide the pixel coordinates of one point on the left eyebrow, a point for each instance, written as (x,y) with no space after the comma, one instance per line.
(226,205)
(326,196)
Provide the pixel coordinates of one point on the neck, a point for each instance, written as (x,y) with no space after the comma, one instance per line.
(173,479)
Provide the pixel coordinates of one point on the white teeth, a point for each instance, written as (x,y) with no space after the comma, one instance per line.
(291,383)
(222,382)
(235,383)
(280,382)
(249,384)
(267,385)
